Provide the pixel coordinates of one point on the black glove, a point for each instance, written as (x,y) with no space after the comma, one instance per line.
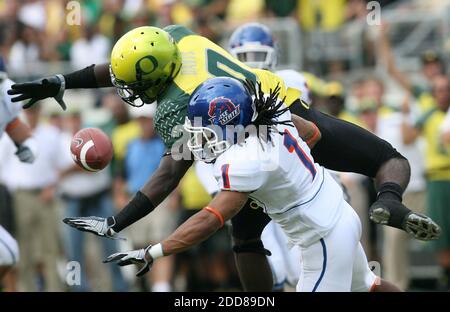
(389,210)
(53,86)
(133,257)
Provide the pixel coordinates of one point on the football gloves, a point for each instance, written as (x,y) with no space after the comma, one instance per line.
(53,86)
(27,150)
(132,257)
(96,225)
(25,154)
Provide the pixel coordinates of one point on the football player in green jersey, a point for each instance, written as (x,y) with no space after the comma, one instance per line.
(166,65)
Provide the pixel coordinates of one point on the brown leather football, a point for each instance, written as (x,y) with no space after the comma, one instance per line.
(91,149)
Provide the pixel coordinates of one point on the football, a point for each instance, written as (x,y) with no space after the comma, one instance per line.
(91,149)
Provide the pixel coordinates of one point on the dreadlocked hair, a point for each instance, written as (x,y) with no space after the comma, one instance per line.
(268,108)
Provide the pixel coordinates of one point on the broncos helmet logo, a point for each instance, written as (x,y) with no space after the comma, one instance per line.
(222,110)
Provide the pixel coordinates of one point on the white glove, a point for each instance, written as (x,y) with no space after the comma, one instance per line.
(132,257)
(27,151)
(96,225)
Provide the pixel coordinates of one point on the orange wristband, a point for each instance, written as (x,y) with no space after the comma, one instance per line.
(315,135)
(12,124)
(216,213)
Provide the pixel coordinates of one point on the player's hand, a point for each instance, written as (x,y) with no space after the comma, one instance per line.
(139,257)
(96,225)
(25,154)
(418,225)
(40,89)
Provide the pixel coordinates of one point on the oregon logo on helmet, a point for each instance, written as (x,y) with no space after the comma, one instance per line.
(146,65)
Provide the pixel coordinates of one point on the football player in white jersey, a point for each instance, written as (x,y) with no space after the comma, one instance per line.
(258,154)
(253,44)
(20,133)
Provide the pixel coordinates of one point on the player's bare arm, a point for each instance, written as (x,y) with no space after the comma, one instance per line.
(18,131)
(199,227)
(193,231)
(20,134)
(307,130)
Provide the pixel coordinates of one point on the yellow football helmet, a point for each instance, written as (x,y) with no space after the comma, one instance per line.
(143,62)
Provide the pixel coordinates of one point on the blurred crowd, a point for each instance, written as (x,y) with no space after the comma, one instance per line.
(35,198)
(34,31)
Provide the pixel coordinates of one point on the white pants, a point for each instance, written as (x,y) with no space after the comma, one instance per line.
(9,250)
(284,262)
(337,262)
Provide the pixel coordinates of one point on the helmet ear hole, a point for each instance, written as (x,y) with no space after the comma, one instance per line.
(152,44)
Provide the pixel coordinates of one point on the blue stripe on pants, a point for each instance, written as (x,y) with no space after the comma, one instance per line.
(13,257)
(324,265)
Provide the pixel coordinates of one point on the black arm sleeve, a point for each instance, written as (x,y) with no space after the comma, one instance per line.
(163,181)
(82,79)
(136,209)
(345,146)
(91,77)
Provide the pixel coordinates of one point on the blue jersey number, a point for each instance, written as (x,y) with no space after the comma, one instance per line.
(292,146)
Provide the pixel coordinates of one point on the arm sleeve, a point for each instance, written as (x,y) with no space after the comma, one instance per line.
(240,177)
(345,146)
(12,110)
(84,78)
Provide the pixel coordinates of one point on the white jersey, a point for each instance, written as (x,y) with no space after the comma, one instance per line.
(8,110)
(296,80)
(283,179)
(9,251)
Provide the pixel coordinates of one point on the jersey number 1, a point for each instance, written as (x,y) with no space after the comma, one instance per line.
(292,146)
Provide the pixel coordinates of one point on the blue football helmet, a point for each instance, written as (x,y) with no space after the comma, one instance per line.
(254,45)
(218,110)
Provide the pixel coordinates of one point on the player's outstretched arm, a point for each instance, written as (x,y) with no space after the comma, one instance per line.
(94,76)
(158,187)
(20,134)
(196,229)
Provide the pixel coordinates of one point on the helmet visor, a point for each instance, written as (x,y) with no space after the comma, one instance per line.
(256,56)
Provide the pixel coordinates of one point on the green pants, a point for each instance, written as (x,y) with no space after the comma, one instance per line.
(438,205)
